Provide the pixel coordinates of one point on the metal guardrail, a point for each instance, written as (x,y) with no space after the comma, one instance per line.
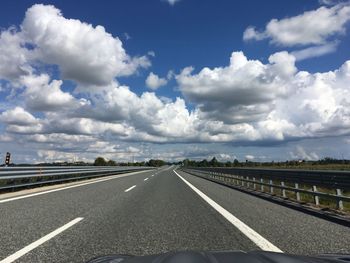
(20,177)
(330,179)
(253,182)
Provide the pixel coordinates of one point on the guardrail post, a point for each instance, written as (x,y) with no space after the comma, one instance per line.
(297,194)
(242,180)
(340,205)
(254,184)
(271,187)
(316,197)
(283,191)
(248,184)
(262,186)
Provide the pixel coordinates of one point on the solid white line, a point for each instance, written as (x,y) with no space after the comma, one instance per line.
(145,179)
(129,189)
(67,187)
(40,241)
(259,240)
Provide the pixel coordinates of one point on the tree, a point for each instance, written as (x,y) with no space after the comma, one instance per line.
(214,162)
(111,163)
(228,164)
(156,163)
(100,161)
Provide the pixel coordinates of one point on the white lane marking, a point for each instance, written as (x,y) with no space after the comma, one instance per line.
(129,189)
(145,179)
(259,240)
(67,187)
(40,241)
(152,175)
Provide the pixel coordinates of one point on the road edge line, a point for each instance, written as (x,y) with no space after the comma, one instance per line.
(254,236)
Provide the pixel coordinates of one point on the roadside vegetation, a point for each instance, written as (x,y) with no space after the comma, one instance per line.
(323,164)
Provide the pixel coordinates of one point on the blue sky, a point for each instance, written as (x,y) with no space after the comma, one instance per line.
(274,100)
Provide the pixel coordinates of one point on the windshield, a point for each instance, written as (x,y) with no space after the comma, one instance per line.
(139,127)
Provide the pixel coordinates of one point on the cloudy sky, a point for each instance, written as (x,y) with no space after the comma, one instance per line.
(174,79)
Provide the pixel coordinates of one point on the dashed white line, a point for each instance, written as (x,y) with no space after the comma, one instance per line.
(67,187)
(145,179)
(129,189)
(40,241)
(259,240)
(152,175)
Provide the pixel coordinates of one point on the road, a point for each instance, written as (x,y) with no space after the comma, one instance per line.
(151,212)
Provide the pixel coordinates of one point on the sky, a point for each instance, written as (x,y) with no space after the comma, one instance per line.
(174,79)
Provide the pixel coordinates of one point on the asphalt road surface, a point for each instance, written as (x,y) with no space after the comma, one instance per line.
(152,212)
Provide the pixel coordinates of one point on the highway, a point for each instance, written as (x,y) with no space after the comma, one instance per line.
(151,212)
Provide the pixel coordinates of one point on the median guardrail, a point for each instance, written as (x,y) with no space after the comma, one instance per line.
(286,181)
(23,177)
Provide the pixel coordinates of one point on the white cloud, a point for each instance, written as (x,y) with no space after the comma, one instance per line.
(161,119)
(252,34)
(172,2)
(170,75)
(248,100)
(301,154)
(42,95)
(315,51)
(127,36)
(329,2)
(6,138)
(244,91)
(18,116)
(310,28)
(154,82)
(250,157)
(151,53)
(86,54)
(24,130)
(13,56)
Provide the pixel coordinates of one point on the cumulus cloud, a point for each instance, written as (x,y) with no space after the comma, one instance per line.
(42,95)
(312,27)
(18,116)
(147,113)
(255,101)
(244,91)
(154,82)
(13,56)
(86,54)
(246,101)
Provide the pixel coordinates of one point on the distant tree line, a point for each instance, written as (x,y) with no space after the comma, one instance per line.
(247,163)
(100,161)
(212,163)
